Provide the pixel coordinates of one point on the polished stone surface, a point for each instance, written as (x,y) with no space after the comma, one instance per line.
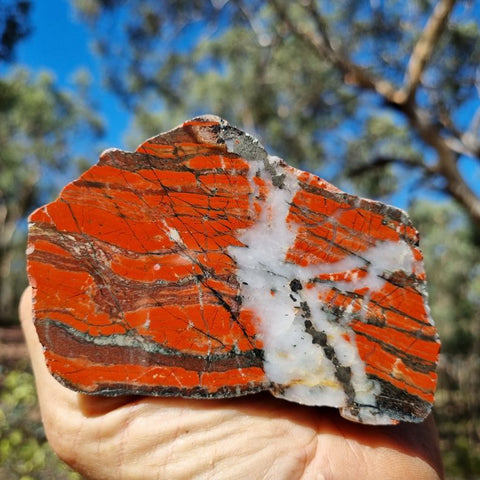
(200,266)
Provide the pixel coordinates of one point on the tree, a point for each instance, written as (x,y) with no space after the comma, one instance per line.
(37,132)
(452,261)
(24,450)
(40,122)
(386,92)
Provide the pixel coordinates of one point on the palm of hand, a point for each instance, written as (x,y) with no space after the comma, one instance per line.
(255,437)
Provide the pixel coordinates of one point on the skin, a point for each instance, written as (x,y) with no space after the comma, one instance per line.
(254,437)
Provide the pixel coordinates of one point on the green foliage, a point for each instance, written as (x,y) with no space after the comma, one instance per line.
(264,81)
(24,451)
(40,123)
(462,459)
(245,61)
(452,261)
(380,157)
(272,80)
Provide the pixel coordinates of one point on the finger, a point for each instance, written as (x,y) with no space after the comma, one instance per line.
(420,440)
(65,414)
(390,452)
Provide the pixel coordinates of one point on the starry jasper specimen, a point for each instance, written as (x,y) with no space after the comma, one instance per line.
(200,266)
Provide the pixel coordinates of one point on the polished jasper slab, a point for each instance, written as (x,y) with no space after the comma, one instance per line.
(199,266)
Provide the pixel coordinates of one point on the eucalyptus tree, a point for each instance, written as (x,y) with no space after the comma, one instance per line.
(382,93)
(39,127)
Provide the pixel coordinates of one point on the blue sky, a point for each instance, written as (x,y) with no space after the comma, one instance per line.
(61,44)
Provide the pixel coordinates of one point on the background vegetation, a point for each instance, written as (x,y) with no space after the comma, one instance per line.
(381,97)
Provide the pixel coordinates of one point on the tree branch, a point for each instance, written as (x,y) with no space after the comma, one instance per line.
(425,46)
(470,139)
(403,100)
(382,161)
(446,163)
(320,42)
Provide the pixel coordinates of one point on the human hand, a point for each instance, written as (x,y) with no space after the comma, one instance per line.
(253,437)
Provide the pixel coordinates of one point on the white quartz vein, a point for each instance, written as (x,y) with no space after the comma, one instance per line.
(292,361)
